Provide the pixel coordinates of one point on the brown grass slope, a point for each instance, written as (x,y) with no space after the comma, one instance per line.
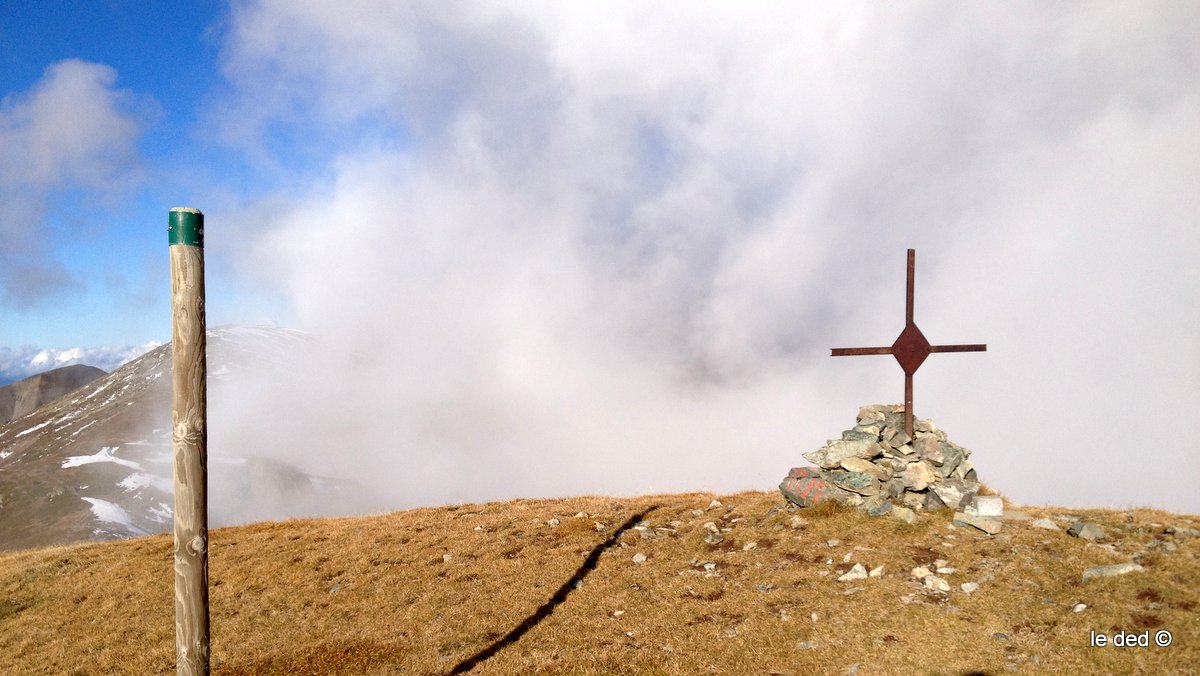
(501,588)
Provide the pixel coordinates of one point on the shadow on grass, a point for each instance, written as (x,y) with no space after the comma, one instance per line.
(589,564)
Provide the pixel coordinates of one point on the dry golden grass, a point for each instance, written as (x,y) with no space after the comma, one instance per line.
(376,595)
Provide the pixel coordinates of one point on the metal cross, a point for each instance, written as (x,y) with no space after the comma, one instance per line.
(910,349)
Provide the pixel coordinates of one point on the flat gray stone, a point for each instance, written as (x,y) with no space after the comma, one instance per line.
(880,508)
(1110,571)
(987,524)
(929,448)
(931,502)
(952,455)
(832,454)
(856,482)
(1087,531)
(1047,524)
(858,434)
(952,492)
(985,505)
(866,467)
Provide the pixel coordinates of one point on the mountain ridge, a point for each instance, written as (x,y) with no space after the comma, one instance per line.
(96,464)
(28,394)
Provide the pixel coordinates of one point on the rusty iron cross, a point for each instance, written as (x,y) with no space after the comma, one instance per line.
(910,349)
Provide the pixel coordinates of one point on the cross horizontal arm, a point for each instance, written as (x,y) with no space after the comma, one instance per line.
(854,351)
(958,348)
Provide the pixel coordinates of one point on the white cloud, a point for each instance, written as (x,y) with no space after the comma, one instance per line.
(618,240)
(26,360)
(71,129)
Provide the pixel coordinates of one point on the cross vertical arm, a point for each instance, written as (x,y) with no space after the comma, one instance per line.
(908,294)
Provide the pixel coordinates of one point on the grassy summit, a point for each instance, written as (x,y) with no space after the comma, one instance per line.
(553,586)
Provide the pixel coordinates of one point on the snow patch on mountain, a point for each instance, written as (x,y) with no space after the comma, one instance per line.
(111,513)
(139,480)
(105,454)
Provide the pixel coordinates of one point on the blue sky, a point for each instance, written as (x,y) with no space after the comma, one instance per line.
(104,239)
(633,230)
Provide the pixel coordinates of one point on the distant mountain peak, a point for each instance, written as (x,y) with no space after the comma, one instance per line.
(25,396)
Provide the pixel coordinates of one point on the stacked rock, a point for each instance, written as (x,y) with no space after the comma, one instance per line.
(877,466)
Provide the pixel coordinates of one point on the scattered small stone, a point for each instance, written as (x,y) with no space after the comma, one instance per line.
(798,522)
(1079,607)
(936,583)
(581,515)
(446,558)
(711,527)
(1047,524)
(833,542)
(1182,532)
(477,528)
(969,587)
(1087,531)
(714,538)
(639,558)
(709,566)
(600,528)
(880,508)
(921,572)
(806,645)
(1001,636)
(618,613)
(877,571)
(987,524)
(714,503)
(814,617)
(904,514)
(749,545)
(858,572)
(946,570)
(1110,571)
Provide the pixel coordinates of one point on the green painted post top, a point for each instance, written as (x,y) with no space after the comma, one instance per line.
(185,225)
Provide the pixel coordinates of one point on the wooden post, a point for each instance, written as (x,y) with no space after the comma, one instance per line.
(189,433)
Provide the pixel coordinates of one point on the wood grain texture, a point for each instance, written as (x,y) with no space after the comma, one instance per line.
(189,427)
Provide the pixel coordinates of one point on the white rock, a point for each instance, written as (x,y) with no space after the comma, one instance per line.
(1079,607)
(858,572)
(936,583)
(1110,571)
(1045,523)
(711,527)
(969,587)
(553,521)
(986,505)
(446,558)
(877,571)
(748,546)
(714,503)
(921,572)
(639,558)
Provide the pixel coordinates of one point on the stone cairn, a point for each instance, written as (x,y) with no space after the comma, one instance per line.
(877,467)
